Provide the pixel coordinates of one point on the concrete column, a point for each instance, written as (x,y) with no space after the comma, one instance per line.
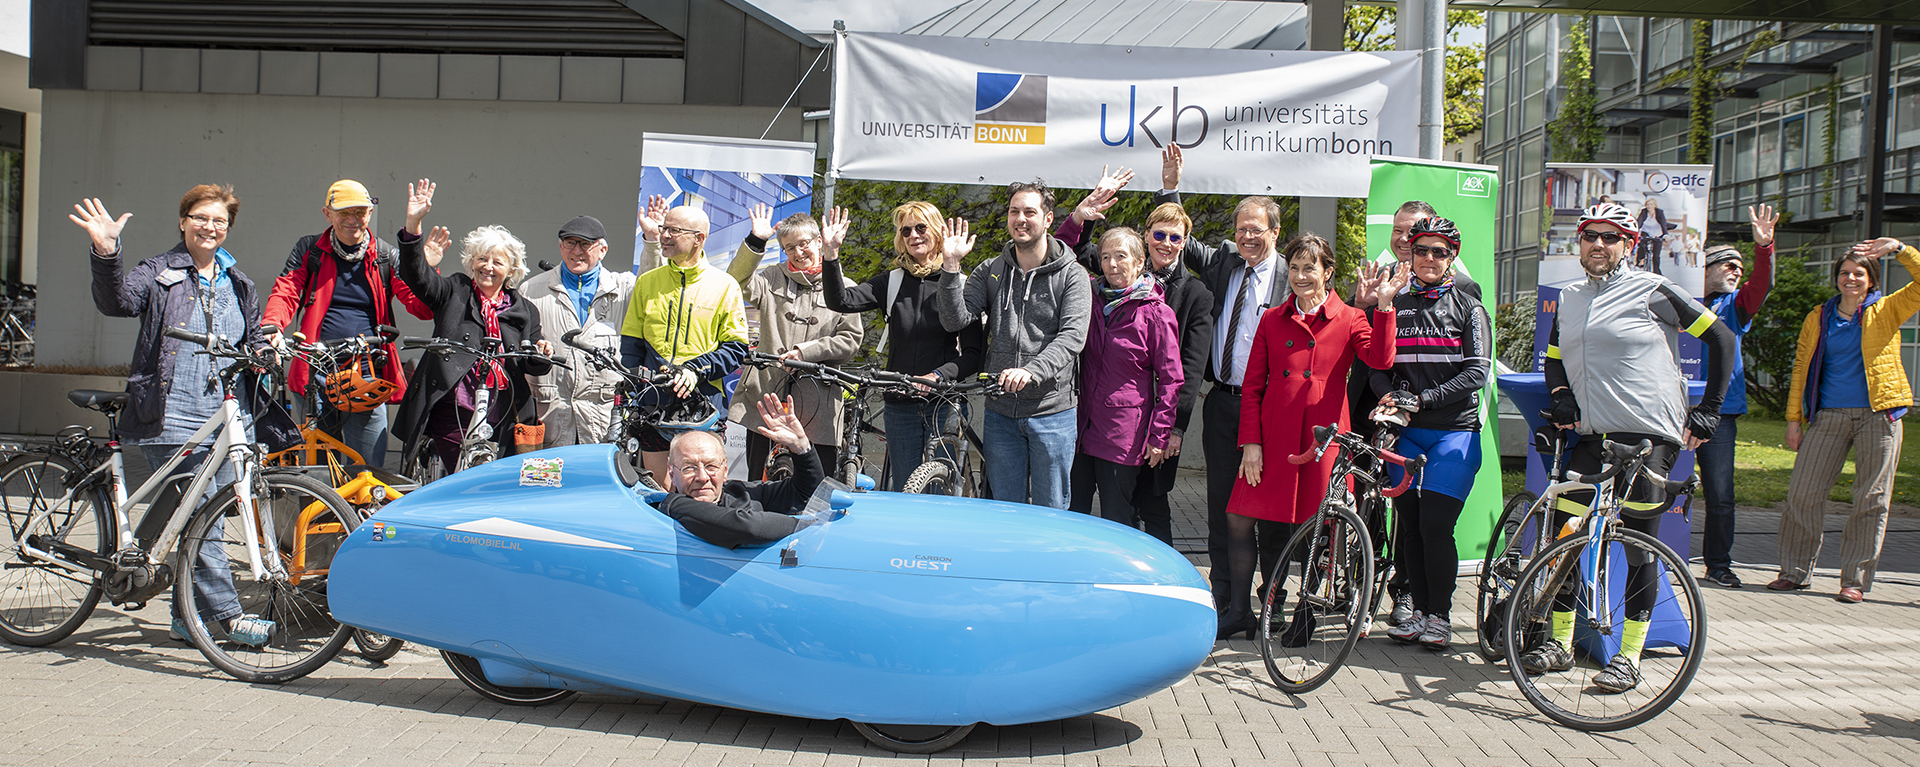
(1879,94)
(1326,31)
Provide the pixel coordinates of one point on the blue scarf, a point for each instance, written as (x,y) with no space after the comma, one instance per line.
(582,288)
(1431,291)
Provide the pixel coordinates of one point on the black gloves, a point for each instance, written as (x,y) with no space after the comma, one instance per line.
(1402,400)
(1566,411)
(1701,423)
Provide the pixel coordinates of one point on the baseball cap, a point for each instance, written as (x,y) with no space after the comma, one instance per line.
(584,227)
(347,193)
(1721,254)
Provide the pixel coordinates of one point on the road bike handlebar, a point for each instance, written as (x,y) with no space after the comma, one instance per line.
(1622,456)
(1323,436)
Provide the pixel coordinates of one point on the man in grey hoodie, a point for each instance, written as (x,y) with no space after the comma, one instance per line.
(1037,303)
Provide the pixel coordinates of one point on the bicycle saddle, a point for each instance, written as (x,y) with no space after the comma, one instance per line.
(94,399)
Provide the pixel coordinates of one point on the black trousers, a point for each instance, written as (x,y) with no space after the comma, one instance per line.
(1587,458)
(1221,443)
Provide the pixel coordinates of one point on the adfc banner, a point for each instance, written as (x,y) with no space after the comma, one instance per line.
(970,111)
(1467,195)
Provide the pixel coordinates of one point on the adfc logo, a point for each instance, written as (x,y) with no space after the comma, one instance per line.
(1010,109)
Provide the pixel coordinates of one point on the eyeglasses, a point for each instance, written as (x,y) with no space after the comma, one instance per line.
(210,223)
(674,231)
(693,470)
(1610,238)
(575,243)
(354,212)
(1247,231)
(1422,250)
(1168,237)
(908,231)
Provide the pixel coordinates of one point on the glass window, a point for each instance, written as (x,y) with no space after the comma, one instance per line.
(1906,116)
(13,169)
(1793,143)
(1743,152)
(1770,149)
(1847,142)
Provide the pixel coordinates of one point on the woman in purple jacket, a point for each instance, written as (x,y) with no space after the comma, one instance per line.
(1130,377)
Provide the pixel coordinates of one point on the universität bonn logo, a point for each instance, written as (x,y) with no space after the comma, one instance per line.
(1010,109)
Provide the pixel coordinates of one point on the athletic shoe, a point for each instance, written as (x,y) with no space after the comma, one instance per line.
(1402,608)
(1409,630)
(1620,675)
(250,630)
(177,630)
(1436,633)
(1725,578)
(1547,657)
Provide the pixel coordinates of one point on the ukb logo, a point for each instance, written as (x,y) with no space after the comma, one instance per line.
(1474,184)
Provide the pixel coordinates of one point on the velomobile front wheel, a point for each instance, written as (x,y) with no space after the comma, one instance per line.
(914,738)
(467,669)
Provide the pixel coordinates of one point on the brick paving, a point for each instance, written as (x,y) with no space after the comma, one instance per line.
(1791,679)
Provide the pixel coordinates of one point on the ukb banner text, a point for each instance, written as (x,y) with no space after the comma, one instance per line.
(971,111)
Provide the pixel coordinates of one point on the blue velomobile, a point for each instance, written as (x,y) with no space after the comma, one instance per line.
(915,617)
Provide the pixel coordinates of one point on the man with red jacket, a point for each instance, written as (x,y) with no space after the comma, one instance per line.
(339,292)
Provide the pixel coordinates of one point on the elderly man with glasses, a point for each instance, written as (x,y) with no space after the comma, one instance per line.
(731,513)
(795,324)
(576,401)
(685,317)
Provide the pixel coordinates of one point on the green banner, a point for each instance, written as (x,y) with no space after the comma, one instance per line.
(1466,194)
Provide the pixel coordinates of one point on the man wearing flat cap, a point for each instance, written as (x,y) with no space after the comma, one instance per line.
(576,400)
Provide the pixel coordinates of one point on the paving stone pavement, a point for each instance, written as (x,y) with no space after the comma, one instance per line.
(1791,679)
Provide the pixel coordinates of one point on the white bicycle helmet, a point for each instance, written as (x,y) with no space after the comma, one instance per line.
(1614,214)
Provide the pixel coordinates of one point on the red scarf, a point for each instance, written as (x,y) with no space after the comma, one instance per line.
(496,376)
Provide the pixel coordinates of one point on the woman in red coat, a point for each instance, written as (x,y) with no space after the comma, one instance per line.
(1296,379)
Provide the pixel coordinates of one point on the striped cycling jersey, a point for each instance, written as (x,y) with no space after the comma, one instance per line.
(1444,356)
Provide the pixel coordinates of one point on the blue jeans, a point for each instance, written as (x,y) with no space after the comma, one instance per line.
(909,426)
(212,576)
(365,432)
(1716,478)
(1036,450)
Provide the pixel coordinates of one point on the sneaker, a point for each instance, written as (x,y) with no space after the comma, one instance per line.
(1725,578)
(250,630)
(1620,675)
(1408,631)
(177,630)
(1436,633)
(1402,608)
(1547,657)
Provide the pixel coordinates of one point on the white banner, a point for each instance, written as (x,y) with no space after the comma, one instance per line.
(972,111)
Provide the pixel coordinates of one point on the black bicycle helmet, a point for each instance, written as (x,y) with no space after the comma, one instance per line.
(1435,226)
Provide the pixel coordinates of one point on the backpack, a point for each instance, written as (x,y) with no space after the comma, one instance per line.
(311,261)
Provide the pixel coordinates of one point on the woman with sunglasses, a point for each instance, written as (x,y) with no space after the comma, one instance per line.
(1441,361)
(914,341)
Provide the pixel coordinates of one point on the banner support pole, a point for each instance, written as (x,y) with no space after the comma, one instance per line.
(1326,31)
(833,120)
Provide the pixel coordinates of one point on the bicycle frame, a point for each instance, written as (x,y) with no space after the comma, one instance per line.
(1603,515)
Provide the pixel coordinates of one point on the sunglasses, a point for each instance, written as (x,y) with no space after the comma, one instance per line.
(1168,237)
(1422,250)
(920,228)
(1610,238)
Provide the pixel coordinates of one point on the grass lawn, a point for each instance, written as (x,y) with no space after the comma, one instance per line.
(1763,464)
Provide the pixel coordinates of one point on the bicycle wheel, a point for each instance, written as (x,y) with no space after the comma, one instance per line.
(779,467)
(376,647)
(1379,517)
(467,669)
(1506,558)
(934,478)
(1319,592)
(42,603)
(303,635)
(913,738)
(1674,646)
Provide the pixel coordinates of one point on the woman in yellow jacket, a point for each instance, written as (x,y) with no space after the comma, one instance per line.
(1849,391)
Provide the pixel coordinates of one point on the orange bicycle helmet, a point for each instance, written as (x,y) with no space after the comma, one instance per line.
(356,388)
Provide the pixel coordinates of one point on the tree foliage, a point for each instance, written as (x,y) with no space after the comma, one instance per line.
(1371,28)
(1576,133)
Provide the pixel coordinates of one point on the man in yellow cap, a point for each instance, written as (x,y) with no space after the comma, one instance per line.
(338,292)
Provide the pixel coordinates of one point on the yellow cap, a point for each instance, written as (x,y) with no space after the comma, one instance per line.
(348,194)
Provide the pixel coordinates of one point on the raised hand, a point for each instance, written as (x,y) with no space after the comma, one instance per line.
(1093,207)
(1764,217)
(959,243)
(91,214)
(419,203)
(782,426)
(435,247)
(1880,248)
(1397,277)
(761,214)
(834,233)
(654,218)
(1114,181)
(1366,286)
(1170,165)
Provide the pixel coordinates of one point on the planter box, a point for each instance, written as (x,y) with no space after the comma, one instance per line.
(36,403)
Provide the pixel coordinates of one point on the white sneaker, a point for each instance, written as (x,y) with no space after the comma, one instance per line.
(1409,630)
(1436,633)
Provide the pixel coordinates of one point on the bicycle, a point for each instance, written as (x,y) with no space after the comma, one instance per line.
(16,325)
(1516,536)
(857,385)
(317,447)
(637,405)
(69,541)
(945,466)
(1581,565)
(1329,562)
(477,445)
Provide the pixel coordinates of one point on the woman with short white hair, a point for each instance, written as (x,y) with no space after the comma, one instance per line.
(468,309)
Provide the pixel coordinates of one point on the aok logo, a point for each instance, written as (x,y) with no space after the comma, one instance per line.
(1474,184)
(1010,109)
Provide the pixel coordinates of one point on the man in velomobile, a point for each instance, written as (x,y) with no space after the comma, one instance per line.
(732,513)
